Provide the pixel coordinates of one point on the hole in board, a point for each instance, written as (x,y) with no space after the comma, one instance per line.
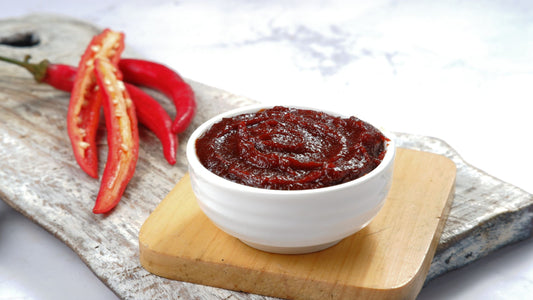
(22,40)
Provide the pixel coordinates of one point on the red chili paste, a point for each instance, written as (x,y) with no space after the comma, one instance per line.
(291,149)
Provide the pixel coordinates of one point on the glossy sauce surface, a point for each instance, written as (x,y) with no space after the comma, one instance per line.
(290,149)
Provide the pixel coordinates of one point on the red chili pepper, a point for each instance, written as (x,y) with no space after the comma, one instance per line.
(98,80)
(85,99)
(59,76)
(149,112)
(168,82)
(122,136)
(152,115)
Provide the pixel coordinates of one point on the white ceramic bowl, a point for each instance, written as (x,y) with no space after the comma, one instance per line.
(288,221)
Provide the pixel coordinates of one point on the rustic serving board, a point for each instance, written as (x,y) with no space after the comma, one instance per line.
(389,259)
(39,177)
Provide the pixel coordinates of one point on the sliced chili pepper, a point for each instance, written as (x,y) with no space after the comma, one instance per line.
(149,112)
(85,100)
(168,82)
(122,136)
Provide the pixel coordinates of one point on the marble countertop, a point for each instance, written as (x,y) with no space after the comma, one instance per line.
(459,71)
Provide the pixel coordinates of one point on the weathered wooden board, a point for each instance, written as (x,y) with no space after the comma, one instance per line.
(39,177)
(179,242)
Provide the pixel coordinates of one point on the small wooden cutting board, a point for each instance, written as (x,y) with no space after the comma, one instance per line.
(388,259)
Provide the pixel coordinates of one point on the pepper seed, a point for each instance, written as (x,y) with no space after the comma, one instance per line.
(121,85)
(84,145)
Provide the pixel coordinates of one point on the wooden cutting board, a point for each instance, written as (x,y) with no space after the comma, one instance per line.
(390,258)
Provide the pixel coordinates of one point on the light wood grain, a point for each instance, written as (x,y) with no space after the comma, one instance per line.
(388,259)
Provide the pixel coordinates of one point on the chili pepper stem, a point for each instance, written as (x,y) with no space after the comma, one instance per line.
(37,70)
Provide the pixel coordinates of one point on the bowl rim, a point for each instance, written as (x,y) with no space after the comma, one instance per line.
(194,162)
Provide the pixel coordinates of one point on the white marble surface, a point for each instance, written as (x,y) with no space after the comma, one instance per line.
(460,71)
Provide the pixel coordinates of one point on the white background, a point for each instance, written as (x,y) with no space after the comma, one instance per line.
(457,70)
